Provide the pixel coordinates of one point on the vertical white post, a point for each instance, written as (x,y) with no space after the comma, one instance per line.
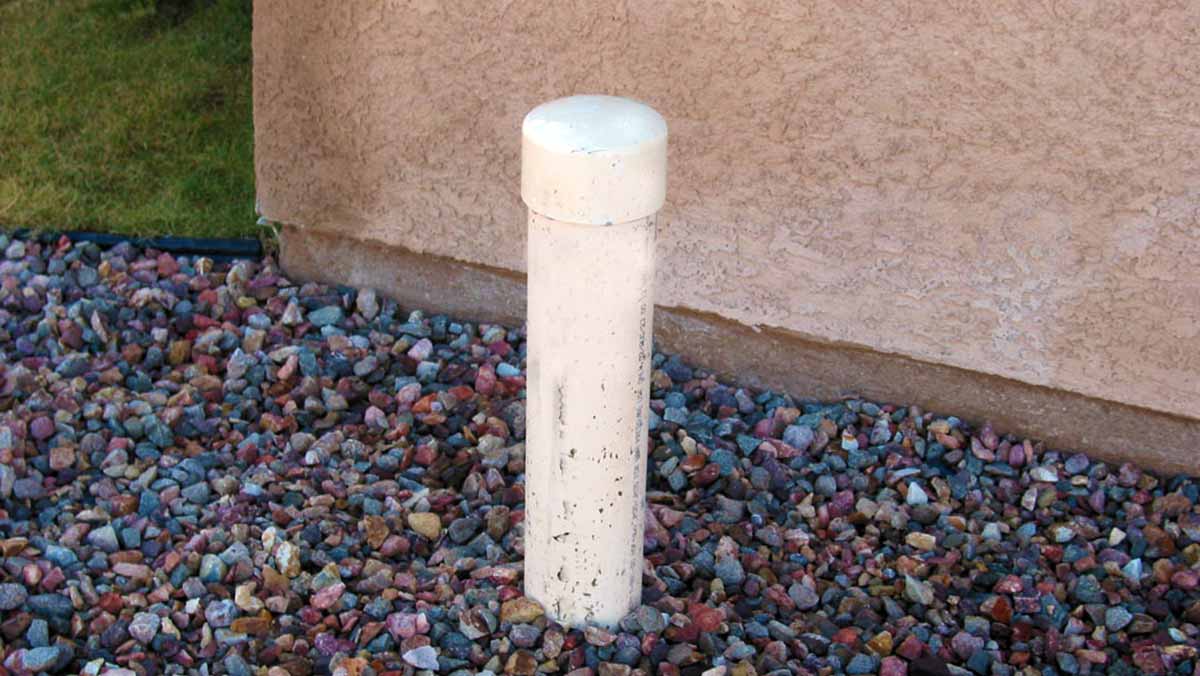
(593,174)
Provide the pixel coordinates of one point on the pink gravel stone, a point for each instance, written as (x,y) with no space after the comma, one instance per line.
(1186,579)
(893,666)
(407,625)
(911,648)
(485,380)
(136,571)
(41,428)
(328,596)
(61,458)
(421,350)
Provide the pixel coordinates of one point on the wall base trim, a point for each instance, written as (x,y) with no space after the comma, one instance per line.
(770,357)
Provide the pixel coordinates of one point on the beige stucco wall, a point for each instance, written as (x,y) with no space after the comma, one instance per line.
(1005,186)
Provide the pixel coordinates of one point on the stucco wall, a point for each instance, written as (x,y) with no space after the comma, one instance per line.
(1010,187)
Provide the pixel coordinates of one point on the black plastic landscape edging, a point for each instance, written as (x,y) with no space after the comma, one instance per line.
(216,248)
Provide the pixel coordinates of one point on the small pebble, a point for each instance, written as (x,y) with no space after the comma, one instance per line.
(424,657)
(144,627)
(1117,618)
(12,596)
(34,660)
(426,524)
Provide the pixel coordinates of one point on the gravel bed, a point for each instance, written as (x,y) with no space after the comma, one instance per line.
(209,469)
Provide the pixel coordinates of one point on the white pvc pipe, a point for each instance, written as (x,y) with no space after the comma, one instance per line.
(593,174)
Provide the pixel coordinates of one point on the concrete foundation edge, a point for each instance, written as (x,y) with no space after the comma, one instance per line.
(770,358)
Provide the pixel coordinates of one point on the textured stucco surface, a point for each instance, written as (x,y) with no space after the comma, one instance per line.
(1010,187)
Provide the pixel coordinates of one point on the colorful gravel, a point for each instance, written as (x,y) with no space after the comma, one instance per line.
(208,469)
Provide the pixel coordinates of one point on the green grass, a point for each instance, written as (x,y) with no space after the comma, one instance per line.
(119,119)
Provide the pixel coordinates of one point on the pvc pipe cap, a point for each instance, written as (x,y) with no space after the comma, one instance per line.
(596,160)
